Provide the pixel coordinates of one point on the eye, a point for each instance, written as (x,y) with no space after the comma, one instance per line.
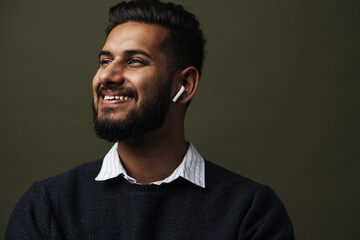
(104,62)
(136,62)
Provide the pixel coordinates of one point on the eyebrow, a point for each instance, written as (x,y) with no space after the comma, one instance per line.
(127,52)
(104,53)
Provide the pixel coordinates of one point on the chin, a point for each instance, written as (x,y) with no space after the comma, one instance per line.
(111,117)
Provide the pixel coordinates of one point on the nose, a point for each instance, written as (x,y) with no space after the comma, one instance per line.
(111,74)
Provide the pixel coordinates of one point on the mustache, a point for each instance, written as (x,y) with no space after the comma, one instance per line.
(129,91)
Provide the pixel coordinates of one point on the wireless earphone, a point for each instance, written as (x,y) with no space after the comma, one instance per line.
(182,89)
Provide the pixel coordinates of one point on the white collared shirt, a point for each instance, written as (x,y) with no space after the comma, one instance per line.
(192,168)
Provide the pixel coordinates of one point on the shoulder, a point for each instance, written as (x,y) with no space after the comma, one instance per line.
(30,218)
(220,176)
(73,178)
(259,202)
(59,188)
(85,170)
(223,182)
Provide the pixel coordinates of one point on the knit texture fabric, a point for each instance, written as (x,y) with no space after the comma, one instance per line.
(75,206)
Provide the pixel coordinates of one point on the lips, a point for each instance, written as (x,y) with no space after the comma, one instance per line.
(111,98)
(116,95)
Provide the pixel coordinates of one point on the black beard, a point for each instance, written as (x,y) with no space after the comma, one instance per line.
(150,116)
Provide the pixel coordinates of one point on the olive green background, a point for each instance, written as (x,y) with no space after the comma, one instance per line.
(278,101)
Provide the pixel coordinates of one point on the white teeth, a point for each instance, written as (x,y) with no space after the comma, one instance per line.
(109,97)
(126,98)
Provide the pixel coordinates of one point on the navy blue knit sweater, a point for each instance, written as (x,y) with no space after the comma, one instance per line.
(75,206)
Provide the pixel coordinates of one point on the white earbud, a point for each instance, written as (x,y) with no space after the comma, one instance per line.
(182,89)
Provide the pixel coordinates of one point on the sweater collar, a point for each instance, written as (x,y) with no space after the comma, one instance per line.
(192,168)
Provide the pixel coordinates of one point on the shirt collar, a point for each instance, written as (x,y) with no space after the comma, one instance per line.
(192,168)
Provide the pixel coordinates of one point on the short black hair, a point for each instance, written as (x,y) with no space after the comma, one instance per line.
(185,38)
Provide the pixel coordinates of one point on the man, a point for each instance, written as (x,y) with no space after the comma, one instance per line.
(152,184)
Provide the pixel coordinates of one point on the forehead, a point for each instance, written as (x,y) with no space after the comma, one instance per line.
(134,35)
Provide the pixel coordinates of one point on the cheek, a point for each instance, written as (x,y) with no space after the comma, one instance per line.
(147,81)
(144,82)
(95,84)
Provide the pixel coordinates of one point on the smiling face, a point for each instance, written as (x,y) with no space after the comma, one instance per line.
(132,87)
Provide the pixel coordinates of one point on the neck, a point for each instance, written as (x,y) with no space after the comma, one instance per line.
(155,155)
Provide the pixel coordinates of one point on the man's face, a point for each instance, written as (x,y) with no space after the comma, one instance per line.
(132,87)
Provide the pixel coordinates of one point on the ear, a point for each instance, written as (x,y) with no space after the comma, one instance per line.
(190,80)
